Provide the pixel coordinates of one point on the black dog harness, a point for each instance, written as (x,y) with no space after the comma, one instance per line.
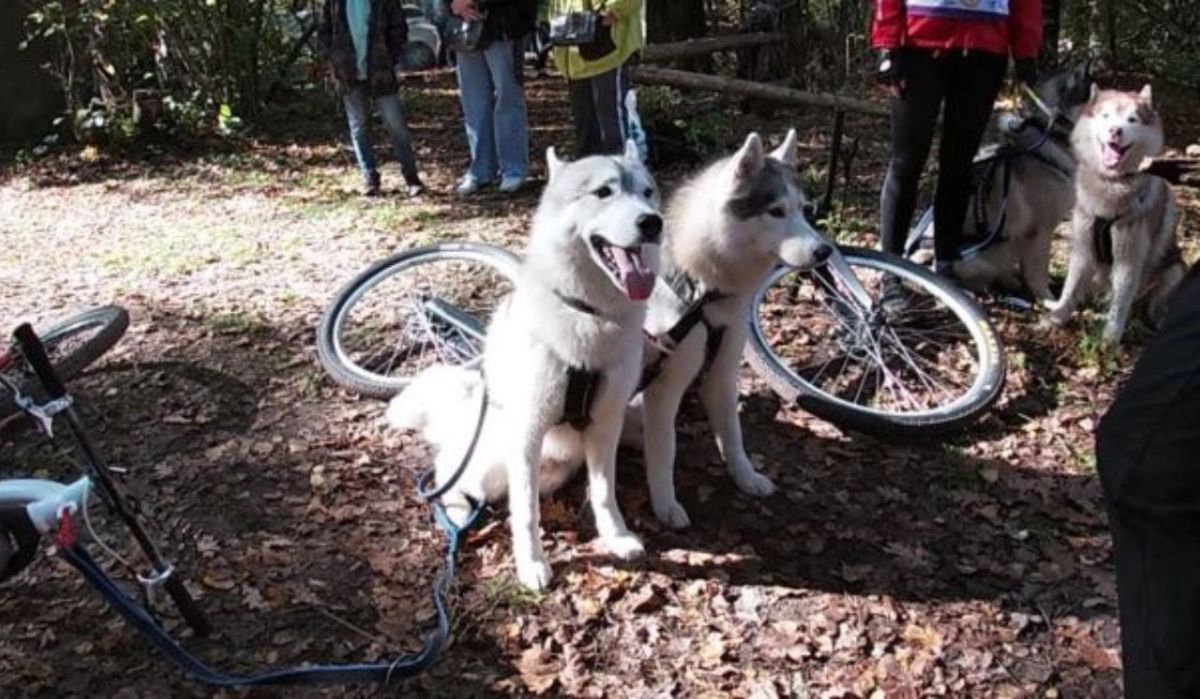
(583,384)
(1003,159)
(1102,242)
(688,291)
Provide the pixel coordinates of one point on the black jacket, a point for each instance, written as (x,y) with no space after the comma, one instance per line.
(506,19)
(386,36)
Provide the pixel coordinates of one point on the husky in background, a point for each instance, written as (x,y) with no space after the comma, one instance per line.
(1040,171)
(562,357)
(1123,224)
(727,230)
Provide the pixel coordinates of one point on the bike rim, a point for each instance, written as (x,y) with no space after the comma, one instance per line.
(396,323)
(918,364)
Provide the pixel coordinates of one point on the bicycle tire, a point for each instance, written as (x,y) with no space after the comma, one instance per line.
(985,389)
(110,323)
(334,356)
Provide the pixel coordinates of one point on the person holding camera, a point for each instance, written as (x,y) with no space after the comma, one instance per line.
(362,41)
(593,65)
(489,85)
(948,57)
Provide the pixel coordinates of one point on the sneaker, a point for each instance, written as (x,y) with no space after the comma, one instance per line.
(415,189)
(469,185)
(508,185)
(371,185)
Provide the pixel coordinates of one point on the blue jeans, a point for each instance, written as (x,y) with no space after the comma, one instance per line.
(358,113)
(494,110)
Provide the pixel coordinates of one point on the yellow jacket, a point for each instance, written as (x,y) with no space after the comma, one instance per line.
(628,34)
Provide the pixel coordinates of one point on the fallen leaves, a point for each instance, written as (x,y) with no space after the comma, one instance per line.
(538,669)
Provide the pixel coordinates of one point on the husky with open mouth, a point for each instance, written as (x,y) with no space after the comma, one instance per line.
(1123,224)
(562,356)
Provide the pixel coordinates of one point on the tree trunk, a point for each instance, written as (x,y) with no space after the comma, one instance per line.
(676,20)
(1052,30)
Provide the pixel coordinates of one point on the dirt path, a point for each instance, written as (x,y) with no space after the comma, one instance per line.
(980,567)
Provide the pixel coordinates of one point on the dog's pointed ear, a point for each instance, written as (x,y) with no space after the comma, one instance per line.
(749,159)
(632,153)
(553,162)
(1146,96)
(786,152)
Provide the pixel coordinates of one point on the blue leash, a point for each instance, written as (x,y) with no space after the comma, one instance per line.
(389,674)
(401,669)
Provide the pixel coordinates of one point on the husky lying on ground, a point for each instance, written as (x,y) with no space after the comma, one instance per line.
(562,356)
(1123,224)
(1041,192)
(727,230)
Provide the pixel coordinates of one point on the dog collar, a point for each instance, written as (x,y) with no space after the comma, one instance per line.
(577,304)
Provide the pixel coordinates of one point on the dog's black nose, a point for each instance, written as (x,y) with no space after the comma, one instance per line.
(822,253)
(650,226)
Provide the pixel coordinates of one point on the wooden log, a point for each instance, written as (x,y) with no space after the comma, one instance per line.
(652,75)
(679,50)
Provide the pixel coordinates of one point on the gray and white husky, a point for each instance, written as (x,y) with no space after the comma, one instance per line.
(577,311)
(1123,224)
(1041,191)
(727,229)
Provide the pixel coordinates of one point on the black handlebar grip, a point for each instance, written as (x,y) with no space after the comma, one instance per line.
(35,353)
(187,606)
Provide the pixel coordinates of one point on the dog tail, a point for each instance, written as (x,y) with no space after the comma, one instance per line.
(434,388)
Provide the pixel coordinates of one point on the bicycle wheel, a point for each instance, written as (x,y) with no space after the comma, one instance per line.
(72,346)
(924,360)
(421,307)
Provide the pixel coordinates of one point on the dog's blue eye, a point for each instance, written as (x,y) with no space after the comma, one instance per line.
(649,192)
(1133,120)
(604,192)
(777,212)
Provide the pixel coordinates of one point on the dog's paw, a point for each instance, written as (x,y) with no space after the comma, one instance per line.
(1111,337)
(625,546)
(754,483)
(534,573)
(673,515)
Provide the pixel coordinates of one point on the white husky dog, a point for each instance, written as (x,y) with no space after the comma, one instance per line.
(1123,224)
(727,229)
(562,356)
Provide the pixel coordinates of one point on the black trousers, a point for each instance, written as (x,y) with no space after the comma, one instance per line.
(1148,448)
(598,110)
(967,84)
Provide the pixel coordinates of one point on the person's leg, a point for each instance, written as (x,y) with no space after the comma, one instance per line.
(974,82)
(478,101)
(1145,447)
(914,117)
(358,115)
(393,117)
(511,121)
(583,115)
(609,114)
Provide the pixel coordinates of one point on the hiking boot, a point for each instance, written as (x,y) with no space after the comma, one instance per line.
(371,185)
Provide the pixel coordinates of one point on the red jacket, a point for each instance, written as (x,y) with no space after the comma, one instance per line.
(960,24)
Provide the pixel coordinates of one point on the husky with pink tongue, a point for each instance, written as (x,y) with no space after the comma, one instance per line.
(562,357)
(1123,225)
